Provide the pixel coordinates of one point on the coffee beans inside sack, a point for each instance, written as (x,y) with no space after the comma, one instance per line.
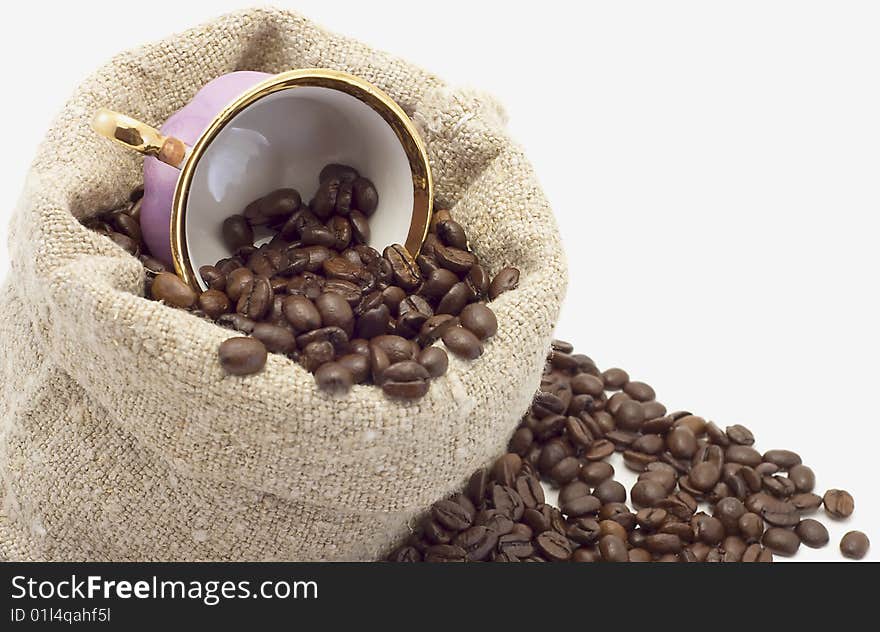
(317,293)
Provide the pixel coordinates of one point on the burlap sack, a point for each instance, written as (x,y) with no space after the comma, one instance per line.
(120,436)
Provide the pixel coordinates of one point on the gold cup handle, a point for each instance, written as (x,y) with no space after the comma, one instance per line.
(133,134)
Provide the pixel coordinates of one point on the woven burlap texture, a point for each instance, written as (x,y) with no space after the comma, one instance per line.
(121,438)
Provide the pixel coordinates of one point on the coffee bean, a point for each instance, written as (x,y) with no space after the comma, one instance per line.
(742,454)
(646,493)
(651,518)
(780,514)
(334,335)
(806,502)
(477,280)
(507,501)
(812,533)
(529,489)
(756,553)
(334,377)
(681,442)
(639,391)
(327,197)
(612,548)
(595,473)
(438,283)
(343,173)
(740,435)
(516,544)
(314,354)
(406,379)
(506,469)
(629,416)
(213,278)
(452,234)
(435,360)
(344,196)
(637,461)
(708,529)
(610,491)
(126,243)
(463,343)
(455,300)
(802,477)
(587,384)
(236,322)
(564,471)
(784,459)
(373,322)
(619,513)
(572,490)
(704,476)
(507,279)
(445,553)
(781,541)
(365,198)
(454,259)
(451,515)
(335,312)
(169,289)
(398,349)
(734,547)
(214,303)
(779,486)
(238,282)
(615,379)
(716,435)
(854,545)
(521,440)
(242,356)
(477,486)
(277,339)
(599,450)
(729,511)
(553,546)
(659,543)
(479,320)
(696,424)
(766,468)
(379,363)
(406,273)
(358,365)
(839,504)
(280,203)
(751,527)
(256,300)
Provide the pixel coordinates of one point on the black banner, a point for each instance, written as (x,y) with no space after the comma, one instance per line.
(128,596)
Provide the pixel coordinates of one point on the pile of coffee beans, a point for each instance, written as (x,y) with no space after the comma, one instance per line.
(703,494)
(315,292)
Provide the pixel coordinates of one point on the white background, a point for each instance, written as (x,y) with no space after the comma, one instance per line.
(714,168)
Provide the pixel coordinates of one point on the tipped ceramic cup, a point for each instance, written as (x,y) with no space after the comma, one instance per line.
(247,133)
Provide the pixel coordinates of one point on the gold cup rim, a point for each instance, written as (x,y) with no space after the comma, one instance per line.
(378,100)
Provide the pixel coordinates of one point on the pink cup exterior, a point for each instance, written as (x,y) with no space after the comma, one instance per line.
(187,124)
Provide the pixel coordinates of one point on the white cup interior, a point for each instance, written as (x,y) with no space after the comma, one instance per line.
(284,140)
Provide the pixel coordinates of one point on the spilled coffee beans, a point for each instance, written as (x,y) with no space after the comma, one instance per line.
(703,494)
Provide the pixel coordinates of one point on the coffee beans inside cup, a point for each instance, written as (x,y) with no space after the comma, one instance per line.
(314,291)
(704,493)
